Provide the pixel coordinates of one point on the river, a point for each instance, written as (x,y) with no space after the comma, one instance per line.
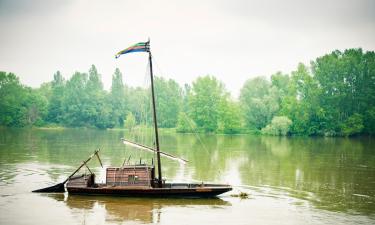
(290,180)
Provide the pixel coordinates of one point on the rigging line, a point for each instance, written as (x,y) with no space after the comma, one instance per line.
(189,122)
(125,159)
(196,133)
(161,73)
(125,154)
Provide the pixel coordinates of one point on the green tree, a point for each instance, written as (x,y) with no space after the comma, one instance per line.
(94,83)
(206,95)
(229,117)
(139,104)
(12,99)
(347,85)
(259,102)
(281,83)
(20,106)
(118,99)
(302,103)
(55,110)
(168,101)
(95,100)
(35,108)
(130,121)
(97,108)
(104,117)
(75,98)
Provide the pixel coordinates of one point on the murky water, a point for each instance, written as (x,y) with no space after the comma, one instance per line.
(289,180)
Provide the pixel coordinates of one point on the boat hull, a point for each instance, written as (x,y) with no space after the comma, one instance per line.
(174,191)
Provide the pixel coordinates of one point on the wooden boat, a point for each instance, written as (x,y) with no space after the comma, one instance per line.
(137,180)
(82,185)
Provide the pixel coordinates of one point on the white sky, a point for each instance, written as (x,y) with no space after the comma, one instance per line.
(232,40)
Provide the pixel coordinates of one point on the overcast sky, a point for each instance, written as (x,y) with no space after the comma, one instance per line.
(232,40)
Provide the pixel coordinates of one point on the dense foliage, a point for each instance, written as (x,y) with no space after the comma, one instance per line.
(333,96)
(20,105)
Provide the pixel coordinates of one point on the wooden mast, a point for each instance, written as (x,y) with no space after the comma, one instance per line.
(160,181)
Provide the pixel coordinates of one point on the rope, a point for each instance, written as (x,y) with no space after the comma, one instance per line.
(158,68)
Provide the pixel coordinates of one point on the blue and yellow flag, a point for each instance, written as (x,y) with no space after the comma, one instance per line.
(139,47)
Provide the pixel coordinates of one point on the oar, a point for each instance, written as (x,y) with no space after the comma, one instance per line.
(60,187)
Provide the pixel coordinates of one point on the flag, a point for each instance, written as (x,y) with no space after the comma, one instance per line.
(139,47)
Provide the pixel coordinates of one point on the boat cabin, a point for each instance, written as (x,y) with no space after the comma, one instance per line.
(131,175)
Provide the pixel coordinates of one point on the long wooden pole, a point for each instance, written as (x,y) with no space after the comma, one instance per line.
(83,163)
(60,187)
(160,181)
(146,148)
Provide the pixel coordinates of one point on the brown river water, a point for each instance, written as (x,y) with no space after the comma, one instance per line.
(294,180)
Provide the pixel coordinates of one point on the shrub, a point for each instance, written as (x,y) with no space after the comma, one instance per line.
(279,126)
(353,125)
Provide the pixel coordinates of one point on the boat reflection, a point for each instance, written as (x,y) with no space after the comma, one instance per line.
(143,210)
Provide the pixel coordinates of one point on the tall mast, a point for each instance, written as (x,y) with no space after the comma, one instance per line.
(160,182)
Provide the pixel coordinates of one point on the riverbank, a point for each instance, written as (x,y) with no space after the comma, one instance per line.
(175,131)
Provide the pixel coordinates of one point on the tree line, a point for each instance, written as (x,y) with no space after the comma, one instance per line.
(333,96)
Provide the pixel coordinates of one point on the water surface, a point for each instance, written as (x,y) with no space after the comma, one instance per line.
(289,180)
